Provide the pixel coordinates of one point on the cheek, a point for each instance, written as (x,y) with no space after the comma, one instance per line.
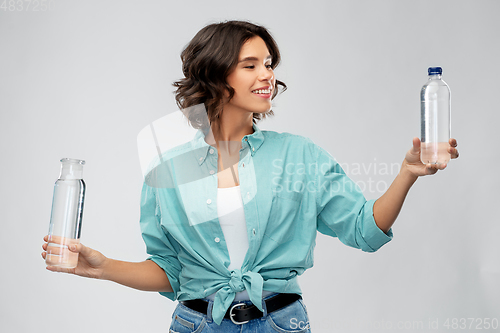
(238,83)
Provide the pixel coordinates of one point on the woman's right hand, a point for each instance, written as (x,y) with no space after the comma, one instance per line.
(91,263)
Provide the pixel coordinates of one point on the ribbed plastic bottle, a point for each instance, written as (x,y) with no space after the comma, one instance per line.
(435,119)
(67,212)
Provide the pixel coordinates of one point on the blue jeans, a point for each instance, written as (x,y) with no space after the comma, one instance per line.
(291,318)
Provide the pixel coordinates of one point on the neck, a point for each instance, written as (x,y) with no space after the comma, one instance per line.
(230,130)
(233,126)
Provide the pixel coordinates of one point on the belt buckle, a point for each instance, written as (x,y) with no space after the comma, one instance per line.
(231,314)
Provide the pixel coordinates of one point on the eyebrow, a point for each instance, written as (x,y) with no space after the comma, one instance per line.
(254,58)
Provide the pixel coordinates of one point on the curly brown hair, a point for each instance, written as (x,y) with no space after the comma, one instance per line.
(207,61)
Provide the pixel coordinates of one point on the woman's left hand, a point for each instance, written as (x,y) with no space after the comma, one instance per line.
(414,165)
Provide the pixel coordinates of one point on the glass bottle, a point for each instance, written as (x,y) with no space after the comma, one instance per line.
(66,216)
(435,119)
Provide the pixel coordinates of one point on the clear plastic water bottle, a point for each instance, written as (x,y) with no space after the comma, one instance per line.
(66,216)
(435,119)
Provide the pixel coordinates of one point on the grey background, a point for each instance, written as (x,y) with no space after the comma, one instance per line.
(82,79)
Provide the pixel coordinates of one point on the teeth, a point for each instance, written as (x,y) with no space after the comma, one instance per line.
(262,91)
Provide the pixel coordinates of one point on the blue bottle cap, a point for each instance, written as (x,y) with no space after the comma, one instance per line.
(435,70)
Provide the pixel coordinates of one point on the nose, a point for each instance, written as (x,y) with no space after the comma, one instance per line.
(266,74)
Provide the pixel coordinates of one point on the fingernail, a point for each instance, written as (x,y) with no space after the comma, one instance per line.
(72,247)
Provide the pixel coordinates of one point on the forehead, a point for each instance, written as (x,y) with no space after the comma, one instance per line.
(255,47)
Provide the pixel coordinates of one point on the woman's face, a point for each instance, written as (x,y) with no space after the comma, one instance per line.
(253,79)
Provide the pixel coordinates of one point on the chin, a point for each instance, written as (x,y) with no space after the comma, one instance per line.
(264,109)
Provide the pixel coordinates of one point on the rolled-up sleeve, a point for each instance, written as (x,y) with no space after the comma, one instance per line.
(343,211)
(161,247)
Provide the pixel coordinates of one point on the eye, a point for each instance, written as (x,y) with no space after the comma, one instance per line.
(269,66)
(250,67)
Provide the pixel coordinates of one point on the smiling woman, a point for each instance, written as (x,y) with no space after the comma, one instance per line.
(218,53)
(228,223)
(252,80)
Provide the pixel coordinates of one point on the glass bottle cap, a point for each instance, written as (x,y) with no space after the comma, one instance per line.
(72,160)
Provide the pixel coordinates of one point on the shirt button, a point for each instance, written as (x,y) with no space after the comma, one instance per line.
(211,151)
(209,201)
(253,149)
(253,231)
(217,239)
(243,164)
(212,172)
(201,159)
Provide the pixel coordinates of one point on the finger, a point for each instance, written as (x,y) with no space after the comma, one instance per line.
(44,255)
(453,152)
(416,145)
(441,166)
(415,149)
(80,248)
(59,269)
(59,241)
(44,246)
(56,250)
(453,142)
(74,248)
(56,239)
(430,169)
(46,238)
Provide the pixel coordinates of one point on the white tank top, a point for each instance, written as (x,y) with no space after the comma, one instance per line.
(233,224)
(234,227)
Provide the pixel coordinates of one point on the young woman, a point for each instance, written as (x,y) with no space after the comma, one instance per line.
(230,218)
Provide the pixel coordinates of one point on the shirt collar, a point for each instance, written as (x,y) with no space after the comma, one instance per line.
(251,141)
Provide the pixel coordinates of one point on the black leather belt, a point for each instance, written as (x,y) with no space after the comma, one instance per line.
(241,313)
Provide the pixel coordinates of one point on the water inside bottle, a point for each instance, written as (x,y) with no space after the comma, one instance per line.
(58,253)
(435,120)
(65,222)
(435,152)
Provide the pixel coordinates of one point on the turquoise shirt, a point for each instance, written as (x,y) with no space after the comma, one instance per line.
(291,188)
